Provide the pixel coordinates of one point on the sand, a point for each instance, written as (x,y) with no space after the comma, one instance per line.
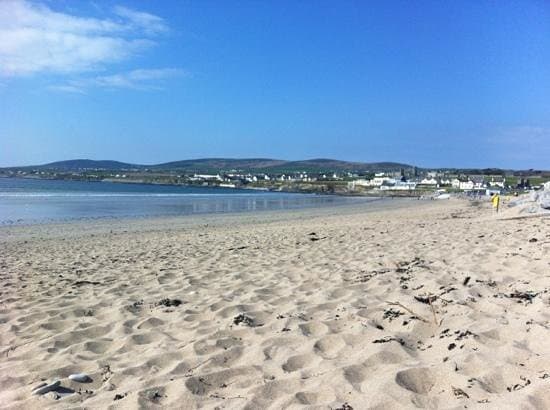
(435,304)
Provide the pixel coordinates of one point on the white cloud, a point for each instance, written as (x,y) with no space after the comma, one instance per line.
(35,39)
(66,88)
(150,23)
(142,79)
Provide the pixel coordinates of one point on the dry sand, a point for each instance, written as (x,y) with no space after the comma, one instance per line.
(436,305)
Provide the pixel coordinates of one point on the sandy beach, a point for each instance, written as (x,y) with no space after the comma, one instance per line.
(432,304)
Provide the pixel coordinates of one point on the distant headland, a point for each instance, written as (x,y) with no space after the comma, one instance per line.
(311,176)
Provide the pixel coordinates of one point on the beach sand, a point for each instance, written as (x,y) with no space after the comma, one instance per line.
(436,304)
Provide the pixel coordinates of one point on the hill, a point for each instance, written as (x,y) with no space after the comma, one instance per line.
(329,165)
(85,164)
(215,164)
(204,165)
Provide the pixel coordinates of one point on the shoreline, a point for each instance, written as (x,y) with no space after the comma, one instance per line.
(174,222)
(293,190)
(25,205)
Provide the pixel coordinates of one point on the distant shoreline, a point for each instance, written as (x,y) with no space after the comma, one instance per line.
(136,224)
(384,194)
(36,201)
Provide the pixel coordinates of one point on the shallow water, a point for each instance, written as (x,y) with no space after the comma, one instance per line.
(24,201)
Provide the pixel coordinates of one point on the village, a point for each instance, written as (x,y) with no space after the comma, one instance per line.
(403,182)
(381,183)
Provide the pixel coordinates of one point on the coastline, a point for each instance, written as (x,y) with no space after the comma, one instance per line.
(433,304)
(27,202)
(145,223)
(296,188)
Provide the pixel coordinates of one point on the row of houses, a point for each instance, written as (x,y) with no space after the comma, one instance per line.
(385,182)
(236,178)
(380,181)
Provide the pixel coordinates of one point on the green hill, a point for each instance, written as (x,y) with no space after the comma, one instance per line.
(204,165)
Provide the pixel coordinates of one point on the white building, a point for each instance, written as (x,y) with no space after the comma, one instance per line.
(466,185)
(208,177)
(499,184)
(379,181)
(375,182)
(429,181)
(399,186)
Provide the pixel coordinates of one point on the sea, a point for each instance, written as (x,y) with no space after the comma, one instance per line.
(31,201)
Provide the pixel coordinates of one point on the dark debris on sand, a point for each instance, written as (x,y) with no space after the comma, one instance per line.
(169,302)
(86,282)
(344,406)
(525,296)
(522,297)
(407,266)
(238,248)
(427,299)
(388,339)
(392,314)
(313,237)
(120,396)
(135,307)
(519,386)
(365,276)
(459,393)
(247,320)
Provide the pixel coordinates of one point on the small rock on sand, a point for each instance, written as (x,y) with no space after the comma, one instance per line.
(46,388)
(80,378)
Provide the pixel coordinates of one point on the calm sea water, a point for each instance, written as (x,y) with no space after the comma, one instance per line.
(24,201)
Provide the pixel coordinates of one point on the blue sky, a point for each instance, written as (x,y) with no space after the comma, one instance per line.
(463,84)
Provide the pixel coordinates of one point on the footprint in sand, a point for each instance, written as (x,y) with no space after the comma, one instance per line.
(151,323)
(300,361)
(98,346)
(392,354)
(315,397)
(144,338)
(314,329)
(329,346)
(493,382)
(202,385)
(418,379)
(356,374)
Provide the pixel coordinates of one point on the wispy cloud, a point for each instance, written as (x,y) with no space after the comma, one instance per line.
(147,22)
(37,39)
(142,79)
(66,88)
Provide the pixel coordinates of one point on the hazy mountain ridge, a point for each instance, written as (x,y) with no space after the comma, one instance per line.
(337,165)
(82,164)
(223,164)
(220,163)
